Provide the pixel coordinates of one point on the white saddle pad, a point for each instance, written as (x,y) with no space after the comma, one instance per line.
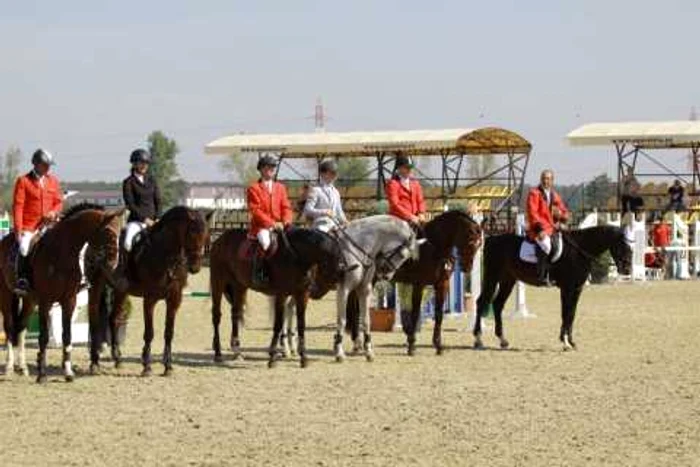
(528,254)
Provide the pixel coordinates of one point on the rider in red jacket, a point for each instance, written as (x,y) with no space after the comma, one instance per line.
(37,203)
(405,194)
(545,211)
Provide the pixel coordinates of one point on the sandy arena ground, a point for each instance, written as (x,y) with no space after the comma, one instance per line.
(629,396)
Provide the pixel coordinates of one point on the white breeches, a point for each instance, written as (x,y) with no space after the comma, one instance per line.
(264,239)
(132,229)
(25,241)
(545,243)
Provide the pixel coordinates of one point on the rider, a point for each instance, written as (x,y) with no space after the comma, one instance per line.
(405,195)
(38,200)
(545,211)
(141,196)
(269,207)
(324,207)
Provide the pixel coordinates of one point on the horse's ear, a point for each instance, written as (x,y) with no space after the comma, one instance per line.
(208,216)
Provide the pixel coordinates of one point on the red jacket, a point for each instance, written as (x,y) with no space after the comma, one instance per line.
(539,214)
(267,208)
(404,203)
(32,201)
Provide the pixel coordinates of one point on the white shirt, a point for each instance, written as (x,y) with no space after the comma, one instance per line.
(140,178)
(406,182)
(268,185)
(548,196)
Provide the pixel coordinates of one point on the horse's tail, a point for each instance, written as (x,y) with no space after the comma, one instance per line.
(352,315)
(16,319)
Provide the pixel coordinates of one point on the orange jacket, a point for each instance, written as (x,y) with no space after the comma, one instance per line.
(267,208)
(32,201)
(539,214)
(405,203)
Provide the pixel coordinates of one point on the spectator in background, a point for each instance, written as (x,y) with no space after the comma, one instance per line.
(676,194)
(660,234)
(631,200)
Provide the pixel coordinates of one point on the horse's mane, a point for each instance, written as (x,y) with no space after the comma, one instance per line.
(173,214)
(77,208)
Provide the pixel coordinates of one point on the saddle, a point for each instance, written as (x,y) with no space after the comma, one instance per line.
(13,257)
(528,249)
(255,259)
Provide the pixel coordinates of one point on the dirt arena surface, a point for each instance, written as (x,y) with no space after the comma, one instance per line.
(629,396)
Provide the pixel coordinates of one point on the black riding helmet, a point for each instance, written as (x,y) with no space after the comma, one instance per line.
(140,155)
(402,161)
(267,161)
(328,165)
(41,156)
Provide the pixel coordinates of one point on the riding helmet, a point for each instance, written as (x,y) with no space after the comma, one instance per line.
(140,155)
(41,156)
(267,161)
(328,165)
(403,161)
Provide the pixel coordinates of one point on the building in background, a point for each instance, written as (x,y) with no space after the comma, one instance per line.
(214,195)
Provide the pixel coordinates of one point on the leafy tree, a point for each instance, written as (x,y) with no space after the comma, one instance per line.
(9,170)
(599,191)
(164,167)
(240,168)
(352,170)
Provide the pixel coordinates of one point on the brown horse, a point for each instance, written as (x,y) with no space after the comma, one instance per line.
(230,276)
(156,269)
(447,232)
(56,277)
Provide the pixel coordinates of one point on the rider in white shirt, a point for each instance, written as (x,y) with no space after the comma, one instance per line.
(323,205)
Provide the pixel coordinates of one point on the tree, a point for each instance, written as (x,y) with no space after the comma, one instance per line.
(241,168)
(164,167)
(352,170)
(599,191)
(9,170)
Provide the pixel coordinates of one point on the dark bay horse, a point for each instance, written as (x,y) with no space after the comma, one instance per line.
(156,269)
(230,276)
(448,231)
(56,278)
(503,267)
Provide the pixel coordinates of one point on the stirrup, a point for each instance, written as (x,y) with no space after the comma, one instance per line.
(22,287)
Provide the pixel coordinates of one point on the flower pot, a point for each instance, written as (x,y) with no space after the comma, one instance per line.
(382,319)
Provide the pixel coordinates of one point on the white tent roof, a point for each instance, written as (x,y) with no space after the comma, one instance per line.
(465,140)
(641,134)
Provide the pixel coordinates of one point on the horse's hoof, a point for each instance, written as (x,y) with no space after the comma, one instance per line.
(340,358)
(147,372)
(304,362)
(504,344)
(439,350)
(478,345)
(9,374)
(168,372)
(369,357)
(24,371)
(272,363)
(41,379)
(117,364)
(69,378)
(218,358)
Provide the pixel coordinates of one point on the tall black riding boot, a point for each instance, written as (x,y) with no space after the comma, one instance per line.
(261,275)
(23,284)
(542,267)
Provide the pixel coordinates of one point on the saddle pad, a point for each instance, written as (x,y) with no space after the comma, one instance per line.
(528,253)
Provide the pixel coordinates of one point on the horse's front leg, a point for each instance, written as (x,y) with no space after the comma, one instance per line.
(21,330)
(416,298)
(300,301)
(341,304)
(364,295)
(44,309)
(116,318)
(96,333)
(287,336)
(172,303)
(276,330)
(67,307)
(149,304)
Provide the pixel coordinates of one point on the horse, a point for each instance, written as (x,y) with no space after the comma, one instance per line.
(156,269)
(56,277)
(378,245)
(503,267)
(299,251)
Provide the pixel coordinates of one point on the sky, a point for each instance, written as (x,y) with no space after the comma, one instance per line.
(89,80)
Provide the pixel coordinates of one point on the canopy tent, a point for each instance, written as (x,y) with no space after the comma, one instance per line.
(363,144)
(452,146)
(632,139)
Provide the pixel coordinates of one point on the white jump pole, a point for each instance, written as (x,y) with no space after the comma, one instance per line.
(696,243)
(475,280)
(681,238)
(521,311)
(639,232)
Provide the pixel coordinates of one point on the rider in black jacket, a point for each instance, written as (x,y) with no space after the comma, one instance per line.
(141,195)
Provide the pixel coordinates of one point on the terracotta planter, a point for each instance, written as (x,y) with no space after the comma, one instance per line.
(382,319)
(3,339)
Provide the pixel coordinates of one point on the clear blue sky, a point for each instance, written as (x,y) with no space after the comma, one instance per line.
(88,80)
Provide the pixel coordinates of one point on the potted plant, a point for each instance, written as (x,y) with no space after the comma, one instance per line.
(383,313)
